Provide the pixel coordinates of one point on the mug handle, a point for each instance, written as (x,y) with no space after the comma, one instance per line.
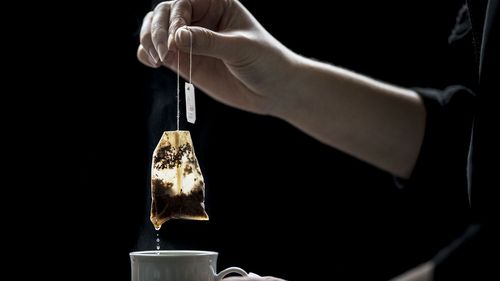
(228,270)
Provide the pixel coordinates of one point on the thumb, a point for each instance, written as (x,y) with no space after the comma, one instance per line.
(206,42)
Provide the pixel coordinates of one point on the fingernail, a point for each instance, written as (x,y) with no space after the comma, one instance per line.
(152,62)
(162,50)
(154,55)
(171,46)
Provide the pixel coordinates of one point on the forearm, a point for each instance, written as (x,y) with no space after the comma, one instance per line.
(373,121)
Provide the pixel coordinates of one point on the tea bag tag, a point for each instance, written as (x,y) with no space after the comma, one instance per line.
(190,103)
(189,87)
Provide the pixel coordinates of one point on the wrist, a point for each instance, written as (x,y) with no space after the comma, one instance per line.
(290,95)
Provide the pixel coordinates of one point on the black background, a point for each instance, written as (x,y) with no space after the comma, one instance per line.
(280,203)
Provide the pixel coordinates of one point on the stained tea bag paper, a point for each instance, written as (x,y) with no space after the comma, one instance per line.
(177,185)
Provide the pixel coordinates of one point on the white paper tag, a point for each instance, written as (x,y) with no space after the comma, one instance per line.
(190,103)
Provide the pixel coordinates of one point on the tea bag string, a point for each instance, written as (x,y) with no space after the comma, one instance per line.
(178,90)
(190,54)
(178,74)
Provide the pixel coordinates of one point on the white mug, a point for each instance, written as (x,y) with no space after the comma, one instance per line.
(178,266)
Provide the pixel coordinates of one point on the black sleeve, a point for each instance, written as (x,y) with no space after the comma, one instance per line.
(439,178)
(440,170)
(475,254)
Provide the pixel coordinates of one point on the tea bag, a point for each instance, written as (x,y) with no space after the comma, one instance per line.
(177,186)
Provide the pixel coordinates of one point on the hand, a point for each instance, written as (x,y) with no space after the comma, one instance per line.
(252,277)
(423,272)
(235,60)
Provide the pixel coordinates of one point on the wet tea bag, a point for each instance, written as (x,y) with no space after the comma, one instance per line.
(177,186)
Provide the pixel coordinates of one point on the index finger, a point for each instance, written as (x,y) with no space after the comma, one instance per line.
(180,15)
(145,37)
(205,13)
(171,15)
(167,17)
(159,28)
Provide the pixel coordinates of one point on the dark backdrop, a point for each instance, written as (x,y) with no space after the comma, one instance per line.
(280,203)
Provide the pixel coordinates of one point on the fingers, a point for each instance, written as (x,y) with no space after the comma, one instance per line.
(179,16)
(145,38)
(166,19)
(209,43)
(161,25)
(252,277)
(159,28)
(144,57)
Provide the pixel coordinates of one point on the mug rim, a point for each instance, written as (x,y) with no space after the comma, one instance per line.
(172,253)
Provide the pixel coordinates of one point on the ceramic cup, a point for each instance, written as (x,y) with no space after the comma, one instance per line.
(178,266)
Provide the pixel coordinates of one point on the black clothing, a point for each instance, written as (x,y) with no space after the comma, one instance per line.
(458,140)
